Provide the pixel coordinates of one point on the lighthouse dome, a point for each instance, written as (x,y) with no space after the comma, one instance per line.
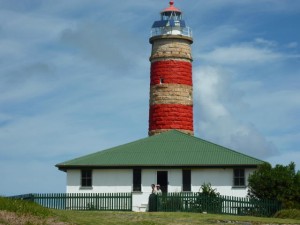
(171,8)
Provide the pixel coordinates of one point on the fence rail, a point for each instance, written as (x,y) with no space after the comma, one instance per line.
(198,202)
(82,201)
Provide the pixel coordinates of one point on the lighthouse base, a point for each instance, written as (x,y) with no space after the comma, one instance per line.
(154,132)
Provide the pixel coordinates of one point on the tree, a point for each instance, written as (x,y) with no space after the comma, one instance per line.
(280,183)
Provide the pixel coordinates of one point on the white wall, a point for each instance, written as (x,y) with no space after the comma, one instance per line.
(120,180)
(149,176)
(220,179)
(104,181)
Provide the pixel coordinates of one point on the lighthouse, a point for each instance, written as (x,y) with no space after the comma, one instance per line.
(171,84)
(170,156)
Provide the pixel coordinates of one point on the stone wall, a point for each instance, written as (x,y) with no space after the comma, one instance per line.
(171,85)
(172,46)
(171,94)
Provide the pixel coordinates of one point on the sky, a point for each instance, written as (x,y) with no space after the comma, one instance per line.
(75,76)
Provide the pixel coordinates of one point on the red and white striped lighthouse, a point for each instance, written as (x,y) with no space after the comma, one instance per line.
(171,85)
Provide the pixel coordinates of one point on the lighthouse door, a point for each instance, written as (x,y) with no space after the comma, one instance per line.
(162,180)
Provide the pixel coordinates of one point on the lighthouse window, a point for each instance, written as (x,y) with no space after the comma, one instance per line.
(161,80)
(171,15)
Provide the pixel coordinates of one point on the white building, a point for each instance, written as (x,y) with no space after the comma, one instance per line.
(175,160)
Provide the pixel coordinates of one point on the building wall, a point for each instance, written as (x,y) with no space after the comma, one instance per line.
(120,180)
(220,179)
(104,181)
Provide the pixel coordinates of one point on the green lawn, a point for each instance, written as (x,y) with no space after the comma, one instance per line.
(18,212)
(126,218)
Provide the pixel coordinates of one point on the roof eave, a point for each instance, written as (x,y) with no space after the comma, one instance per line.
(71,167)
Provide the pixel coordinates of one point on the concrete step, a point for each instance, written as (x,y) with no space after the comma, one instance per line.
(143,207)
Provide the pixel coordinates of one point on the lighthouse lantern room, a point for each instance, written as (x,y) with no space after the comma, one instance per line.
(171,23)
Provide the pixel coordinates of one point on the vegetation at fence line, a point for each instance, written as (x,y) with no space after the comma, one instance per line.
(207,190)
(288,213)
(215,203)
(208,200)
(281,183)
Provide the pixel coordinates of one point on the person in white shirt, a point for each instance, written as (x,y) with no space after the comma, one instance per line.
(158,190)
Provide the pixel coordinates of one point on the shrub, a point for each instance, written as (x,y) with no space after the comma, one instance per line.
(281,183)
(208,200)
(288,214)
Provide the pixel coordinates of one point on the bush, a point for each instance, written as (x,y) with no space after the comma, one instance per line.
(288,214)
(208,200)
(281,183)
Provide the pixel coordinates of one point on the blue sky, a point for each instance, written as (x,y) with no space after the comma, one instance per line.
(74,79)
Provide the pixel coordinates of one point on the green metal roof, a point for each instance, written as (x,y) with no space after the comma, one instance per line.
(172,148)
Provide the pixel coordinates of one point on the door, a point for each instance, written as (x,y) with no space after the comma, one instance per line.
(162,180)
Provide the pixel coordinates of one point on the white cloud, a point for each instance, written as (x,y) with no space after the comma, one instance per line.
(217,122)
(238,106)
(240,54)
(265,43)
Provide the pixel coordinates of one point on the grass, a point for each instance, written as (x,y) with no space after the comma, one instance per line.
(161,218)
(289,213)
(21,207)
(18,212)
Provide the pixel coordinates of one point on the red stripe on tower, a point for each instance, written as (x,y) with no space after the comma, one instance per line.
(171,84)
(171,116)
(171,71)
